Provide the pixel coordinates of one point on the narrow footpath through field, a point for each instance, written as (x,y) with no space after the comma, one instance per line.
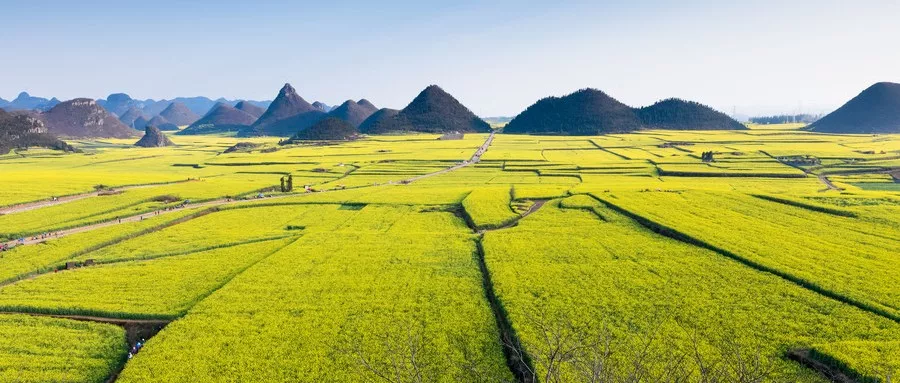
(828,183)
(18,208)
(35,239)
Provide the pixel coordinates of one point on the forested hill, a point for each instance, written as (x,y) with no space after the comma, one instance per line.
(592,112)
(433,111)
(586,112)
(680,114)
(875,110)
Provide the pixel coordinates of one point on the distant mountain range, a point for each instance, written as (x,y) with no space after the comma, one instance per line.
(118,103)
(27,102)
(875,110)
(590,112)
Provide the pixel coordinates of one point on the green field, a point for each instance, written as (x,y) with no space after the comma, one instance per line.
(565,259)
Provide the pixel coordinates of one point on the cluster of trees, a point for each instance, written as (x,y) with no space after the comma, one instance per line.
(287,183)
(786,119)
(707,156)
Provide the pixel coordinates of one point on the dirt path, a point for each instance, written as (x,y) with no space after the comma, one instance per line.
(71,198)
(219,202)
(538,203)
(828,183)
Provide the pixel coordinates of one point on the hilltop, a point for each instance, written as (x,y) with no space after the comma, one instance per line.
(131,116)
(875,110)
(250,108)
(586,112)
(83,117)
(288,114)
(23,130)
(179,114)
(433,111)
(374,122)
(322,106)
(140,123)
(119,103)
(153,138)
(287,105)
(354,112)
(680,114)
(222,118)
(161,123)
(329,129)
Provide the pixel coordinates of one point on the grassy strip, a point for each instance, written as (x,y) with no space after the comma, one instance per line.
(678,235)
(816,208)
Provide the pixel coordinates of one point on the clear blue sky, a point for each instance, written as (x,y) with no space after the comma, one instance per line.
(496,57)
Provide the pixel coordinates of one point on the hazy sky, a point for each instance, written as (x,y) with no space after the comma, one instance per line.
(496,57)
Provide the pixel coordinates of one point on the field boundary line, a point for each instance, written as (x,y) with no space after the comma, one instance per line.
(691,240)
(78,253)
(517,359)
(152,257)
(810,207)
(237,273)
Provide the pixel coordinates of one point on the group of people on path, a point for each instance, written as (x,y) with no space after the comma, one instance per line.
(22,240)
(137,347)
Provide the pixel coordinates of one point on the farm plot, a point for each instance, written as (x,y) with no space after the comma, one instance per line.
(599,286)
(23,261)
(332,303)
(489,208)
(850,259)
(157,289)
(36,350)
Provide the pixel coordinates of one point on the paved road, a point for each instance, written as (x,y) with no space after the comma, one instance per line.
(219,202)
(61,200)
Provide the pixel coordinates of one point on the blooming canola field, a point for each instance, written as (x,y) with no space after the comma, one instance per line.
(401,259)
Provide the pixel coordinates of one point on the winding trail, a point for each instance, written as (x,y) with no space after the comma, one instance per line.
(75,197)
(31,240)
(538,203)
